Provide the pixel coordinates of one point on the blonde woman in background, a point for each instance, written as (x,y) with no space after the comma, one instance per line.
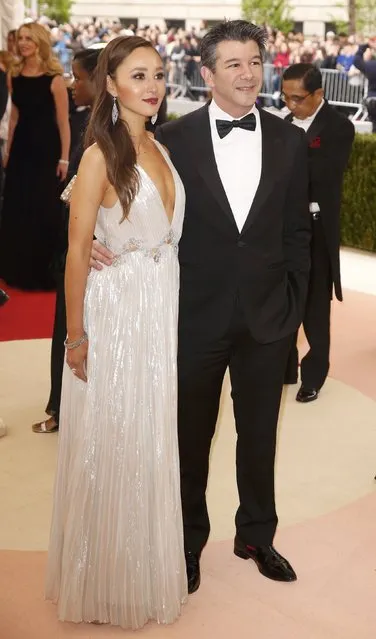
(36,162)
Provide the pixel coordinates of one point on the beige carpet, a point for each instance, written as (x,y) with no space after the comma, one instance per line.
(326,453)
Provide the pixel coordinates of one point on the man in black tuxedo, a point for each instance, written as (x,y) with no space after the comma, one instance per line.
(330,136)
(244,260)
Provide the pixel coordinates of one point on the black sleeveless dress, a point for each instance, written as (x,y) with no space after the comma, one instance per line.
(31,206)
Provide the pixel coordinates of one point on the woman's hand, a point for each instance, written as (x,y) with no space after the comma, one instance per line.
(62,169)
(76,360)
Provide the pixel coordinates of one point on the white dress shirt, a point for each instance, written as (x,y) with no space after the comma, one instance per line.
(305,124)
(239,160)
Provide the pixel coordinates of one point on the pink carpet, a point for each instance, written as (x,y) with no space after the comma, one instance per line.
(332,599)
(353,353)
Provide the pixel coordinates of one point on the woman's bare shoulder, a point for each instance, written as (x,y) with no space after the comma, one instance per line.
(92,170)
(93,157)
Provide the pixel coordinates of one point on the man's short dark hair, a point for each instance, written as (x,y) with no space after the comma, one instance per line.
(237,30)
(309,74)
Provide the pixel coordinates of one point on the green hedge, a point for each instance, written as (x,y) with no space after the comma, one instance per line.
(358,214)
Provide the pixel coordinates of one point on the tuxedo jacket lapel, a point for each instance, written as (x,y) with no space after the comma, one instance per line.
(272,159)
(199,135)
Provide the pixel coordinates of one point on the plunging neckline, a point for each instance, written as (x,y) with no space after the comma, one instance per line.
(171,169)
(147,176)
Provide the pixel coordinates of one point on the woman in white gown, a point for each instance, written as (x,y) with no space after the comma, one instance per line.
(116,548)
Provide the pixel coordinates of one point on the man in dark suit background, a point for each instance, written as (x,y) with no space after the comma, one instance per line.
(244,269)
(330,136)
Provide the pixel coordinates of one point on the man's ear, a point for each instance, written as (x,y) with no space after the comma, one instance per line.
(111,87)
(207,76)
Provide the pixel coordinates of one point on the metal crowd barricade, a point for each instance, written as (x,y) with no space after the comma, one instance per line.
(185,81)
(340,89)
(343,90)
(272,83)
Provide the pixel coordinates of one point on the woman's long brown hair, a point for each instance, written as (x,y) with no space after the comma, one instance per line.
(114,139)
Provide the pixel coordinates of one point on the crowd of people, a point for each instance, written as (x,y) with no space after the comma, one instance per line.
(331,52)
(180,47)
(152,305)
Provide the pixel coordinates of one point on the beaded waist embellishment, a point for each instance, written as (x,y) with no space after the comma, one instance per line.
(134,244)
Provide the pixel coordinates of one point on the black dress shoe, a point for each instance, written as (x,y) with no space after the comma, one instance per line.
(193,571)
(306,395)
(269,562)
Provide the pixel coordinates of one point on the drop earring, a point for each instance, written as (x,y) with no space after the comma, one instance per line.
(154,118)
(115,112)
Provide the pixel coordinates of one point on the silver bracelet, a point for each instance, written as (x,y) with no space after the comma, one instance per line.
(64,162)
(77,343)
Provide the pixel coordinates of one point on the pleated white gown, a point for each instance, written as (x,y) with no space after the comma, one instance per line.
(116,551)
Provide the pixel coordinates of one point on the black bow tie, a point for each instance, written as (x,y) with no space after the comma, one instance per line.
(225,126)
